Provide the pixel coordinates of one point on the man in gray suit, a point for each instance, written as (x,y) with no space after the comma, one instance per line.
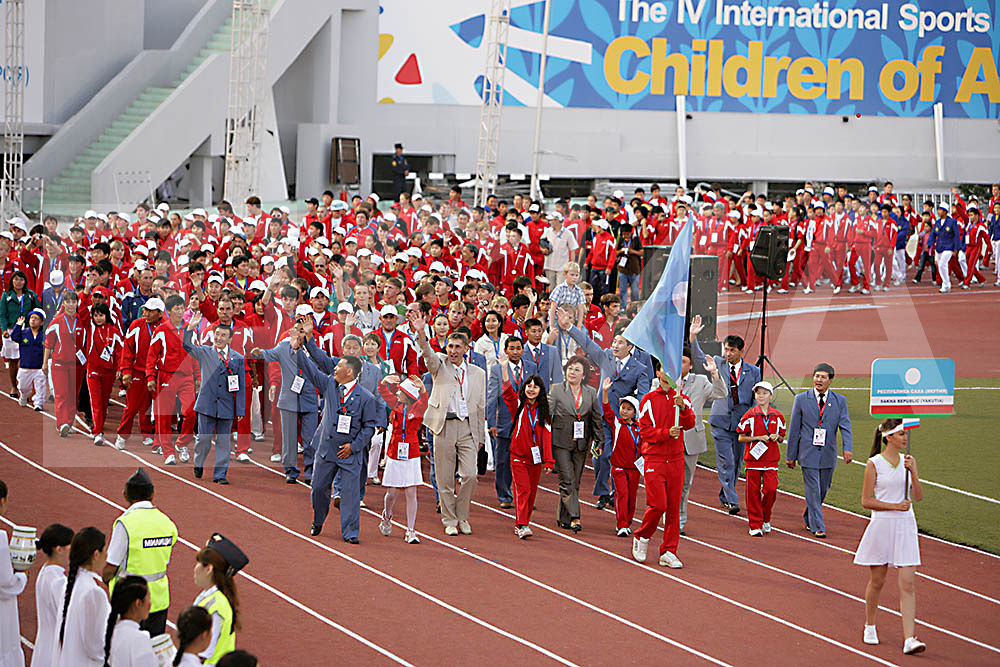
(817,415)
(739,377)
(698,389)
(456,415)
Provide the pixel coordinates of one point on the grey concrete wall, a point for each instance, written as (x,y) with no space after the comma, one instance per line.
(166,19)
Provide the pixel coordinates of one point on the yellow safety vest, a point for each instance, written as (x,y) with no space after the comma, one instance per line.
(218,604)
(151,538)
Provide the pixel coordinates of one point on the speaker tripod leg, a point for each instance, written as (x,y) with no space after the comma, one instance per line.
(765,359)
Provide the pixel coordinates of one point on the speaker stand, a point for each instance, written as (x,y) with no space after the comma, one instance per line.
(763,358)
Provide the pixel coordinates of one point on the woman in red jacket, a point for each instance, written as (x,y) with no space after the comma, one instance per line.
(65,345)
(104,345)
(402,468)
(530,444)
(664,415)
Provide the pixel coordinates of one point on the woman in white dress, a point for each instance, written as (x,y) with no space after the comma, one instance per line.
(125,645)
(194,634)
(11,585)
(85,606)
(891,482)
(49,586)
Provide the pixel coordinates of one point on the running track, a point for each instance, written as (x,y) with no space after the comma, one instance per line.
(787,599)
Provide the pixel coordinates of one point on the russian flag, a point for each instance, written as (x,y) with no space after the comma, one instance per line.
(910,423)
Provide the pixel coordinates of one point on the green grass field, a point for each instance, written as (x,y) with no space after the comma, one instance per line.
(961,451)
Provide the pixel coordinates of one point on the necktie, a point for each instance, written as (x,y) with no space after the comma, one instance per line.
(734,387)
(620,366)
(822,403)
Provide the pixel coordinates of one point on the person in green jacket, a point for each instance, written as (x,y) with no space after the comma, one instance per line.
(15,303)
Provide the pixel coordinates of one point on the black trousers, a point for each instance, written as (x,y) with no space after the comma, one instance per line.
(155,624)
(926,259)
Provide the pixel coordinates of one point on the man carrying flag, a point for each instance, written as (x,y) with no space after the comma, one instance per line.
(664,413)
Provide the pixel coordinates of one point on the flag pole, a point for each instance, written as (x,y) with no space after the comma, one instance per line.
(906,487)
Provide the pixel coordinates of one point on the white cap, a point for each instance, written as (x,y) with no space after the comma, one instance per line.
(364,252)
(437,216)
(437,266)
(303,309)
(199,211)
(339,205)
(414,251)
(872,188)
(735,215)
(374,197)
(631,400)
(213,218)
(416,196)
(155,303)
(102,217)
(266,259)
(686,199)
(285,210)
(618,194)
(344,307)
(400,257)
(125,217)
(352,259)
(410,388)
(389,217)
(258,285)
(388,310)
(56,278)
(427,207)
(533,208)
(818,204)
(19,223)
(184,240)
(604,224)
(215,277)
(339,230)
(140,265)
(419,275)
(318,291)
(764,385)
(90,214)
(327,252)
(207,247)
(189,217)
(183,260)
(323,241)
(163,206)
(828,191)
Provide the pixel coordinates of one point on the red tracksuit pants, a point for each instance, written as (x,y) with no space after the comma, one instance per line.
(971,259)
(137,402)
(762,489)
(243,425)
(882,264)
(67,378)
(865,255)
(169,389)
(723,269)
(100,383)
(626,489)
(664,483)
(273,377)
(525,476)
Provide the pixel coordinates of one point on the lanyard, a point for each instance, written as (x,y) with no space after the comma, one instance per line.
(532,420)
(343,401)
(149,330)
(767,423)
(635,441)
(225,360)
(461,383)
(402,429)
(388,341)
(496,346)
(520,373)
(577,399)
(534,355)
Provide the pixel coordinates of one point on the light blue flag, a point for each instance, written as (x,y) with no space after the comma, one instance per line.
(658,328)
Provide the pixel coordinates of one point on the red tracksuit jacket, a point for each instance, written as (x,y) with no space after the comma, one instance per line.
(656,417)
(524,436)
(104,346)
(135,347)
(166,354)
(65,336)
(625,438)
(414,418)
(753,423)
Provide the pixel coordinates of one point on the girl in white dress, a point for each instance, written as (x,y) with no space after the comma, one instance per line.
(125,645)
(891,535)
(85,606)
(194,633)
(49,587)
(11,585)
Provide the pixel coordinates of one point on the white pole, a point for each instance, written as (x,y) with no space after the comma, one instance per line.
(535,188)
(681,112)
(939,138)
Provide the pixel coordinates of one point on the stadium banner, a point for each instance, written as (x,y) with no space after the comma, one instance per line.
(839,57)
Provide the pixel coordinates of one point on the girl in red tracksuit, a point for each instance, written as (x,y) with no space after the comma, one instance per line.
(762,428)
(104,345)
(664,415)
(625,459)
(530,444)
(402,467)
(65,343)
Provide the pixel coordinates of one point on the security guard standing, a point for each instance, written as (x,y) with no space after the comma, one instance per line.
(142,540)
(217,564)
(400,170)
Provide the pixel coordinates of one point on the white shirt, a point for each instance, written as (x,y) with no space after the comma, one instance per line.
(345,389)
(49,590)
(11,585)
(86,623)
(131,647)
(190,660)
(462,377)
(118,546)
(563,243)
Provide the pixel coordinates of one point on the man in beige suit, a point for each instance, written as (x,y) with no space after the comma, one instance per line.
(456,415)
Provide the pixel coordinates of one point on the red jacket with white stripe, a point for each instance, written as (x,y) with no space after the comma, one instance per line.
(656,417)
(523,437)
(135,347)
(400,351)
(625,439)
(166,354)
(103,340)
(752,423)
(65,336)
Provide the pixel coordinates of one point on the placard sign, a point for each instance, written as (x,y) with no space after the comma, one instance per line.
(913,388)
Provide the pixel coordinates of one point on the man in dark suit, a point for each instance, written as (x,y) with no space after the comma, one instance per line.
(740,377)
(499,421)
(400,170)
(220,399)
(543,356)
(346,430)
(816,417)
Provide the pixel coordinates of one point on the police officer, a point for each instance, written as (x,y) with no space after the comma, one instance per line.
(217,565)
(944,239)
(142,540)
(400,170)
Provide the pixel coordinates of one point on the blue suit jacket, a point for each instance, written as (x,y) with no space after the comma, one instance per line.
(214,398)
(635,377)
(360,405)
(371,375)
(547,363)
(475,359)
(291,363)
(724,415)
(805,418)
(497,414)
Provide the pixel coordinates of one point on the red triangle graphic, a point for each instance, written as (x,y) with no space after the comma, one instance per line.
(409,73)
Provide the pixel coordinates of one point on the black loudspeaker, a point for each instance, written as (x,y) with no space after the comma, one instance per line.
(770,251)
(703,297)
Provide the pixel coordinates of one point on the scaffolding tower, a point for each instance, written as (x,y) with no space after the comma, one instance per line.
(488,146)
(247,83)
(13,125)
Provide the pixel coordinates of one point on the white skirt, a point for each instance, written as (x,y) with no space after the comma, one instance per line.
(401,474)
(889,541)
(11,350)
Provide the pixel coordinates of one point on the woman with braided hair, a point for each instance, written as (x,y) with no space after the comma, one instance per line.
(194,634)
(125,645)
(85,603)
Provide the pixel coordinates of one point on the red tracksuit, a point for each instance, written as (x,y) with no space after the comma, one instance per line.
(625,452)
(865,231)
(398,349)
(663,455)
(242,342)
(978,237)
(762,471)
(885,244)
(406,422)
(530,440)
(65,336)
(104,346)
(170,367)
(135,350)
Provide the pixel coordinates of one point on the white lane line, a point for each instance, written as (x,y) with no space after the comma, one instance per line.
(531,580)
(27,643)
(700,589)
(784,312)
(942,486)
(805,579)
(194,547)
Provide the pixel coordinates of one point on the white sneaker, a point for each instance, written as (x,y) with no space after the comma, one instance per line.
(807,290)
(623,532)
(385,525)
(912,645)
(782,291)
(756,532)
(243,458)
(464,528)
(944,290)
(836,290)
(965,287)
(864,291)
(23,400)
(411,537)
(490,467)
(853,289)
(275,458)
(871,635)
(147,441)
(451,531)
(766,527)
(64,430)
(668,559)
(185,457)
(639,547)
(98,440)
(171,460)
(523,532)
(120,444)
